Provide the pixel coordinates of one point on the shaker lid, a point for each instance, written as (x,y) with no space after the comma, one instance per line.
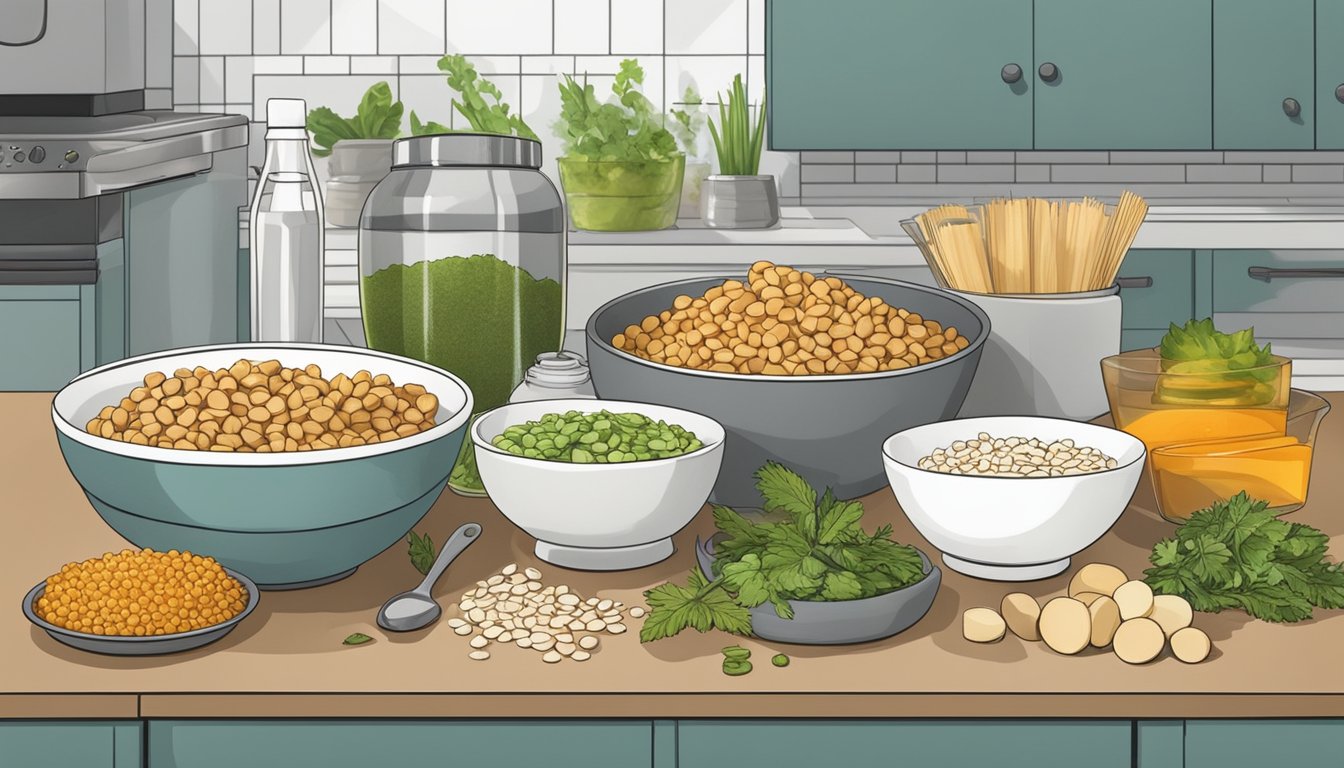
(558,369)
(466,149)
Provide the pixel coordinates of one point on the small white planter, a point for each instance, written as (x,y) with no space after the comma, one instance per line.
(355,167)
(739,202)
(696,173)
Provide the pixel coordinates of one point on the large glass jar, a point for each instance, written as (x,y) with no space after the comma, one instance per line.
(462,264)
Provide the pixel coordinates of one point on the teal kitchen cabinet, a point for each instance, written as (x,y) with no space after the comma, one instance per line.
(1157,288)
(367,744)
(1263,79)
(49,335)
(894,744)
(1132,75)
(1329,75)
(1222,743)
(58,744)
(872,74)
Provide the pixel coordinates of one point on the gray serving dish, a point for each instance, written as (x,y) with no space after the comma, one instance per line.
(142,646)
(842,622)
(829,429)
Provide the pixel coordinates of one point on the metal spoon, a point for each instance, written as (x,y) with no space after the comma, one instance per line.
(417,608)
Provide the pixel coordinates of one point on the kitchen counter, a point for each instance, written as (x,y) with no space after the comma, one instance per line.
(287,660)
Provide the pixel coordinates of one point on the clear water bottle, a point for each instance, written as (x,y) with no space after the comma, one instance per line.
(287,228)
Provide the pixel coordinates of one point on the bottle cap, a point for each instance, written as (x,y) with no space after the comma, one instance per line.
(286,113)
(558,369)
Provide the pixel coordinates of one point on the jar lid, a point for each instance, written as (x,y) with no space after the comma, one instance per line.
(466,149)
(558,369)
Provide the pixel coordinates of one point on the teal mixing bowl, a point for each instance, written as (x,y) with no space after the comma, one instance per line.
(286,520)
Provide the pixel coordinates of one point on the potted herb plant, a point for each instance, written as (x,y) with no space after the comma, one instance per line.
(686,126)
(359,148)
(480,103)
(737,197)
(621,170)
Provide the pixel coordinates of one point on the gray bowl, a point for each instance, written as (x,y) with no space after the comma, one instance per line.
(288,520)
(827,428)
(842,622)
(141,646)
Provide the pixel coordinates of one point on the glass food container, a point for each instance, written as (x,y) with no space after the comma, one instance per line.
(556,376)
(462,265)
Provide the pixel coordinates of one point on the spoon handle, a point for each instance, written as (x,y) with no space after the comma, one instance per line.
(460,540)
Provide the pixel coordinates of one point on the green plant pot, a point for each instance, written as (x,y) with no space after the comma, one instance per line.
(622,196)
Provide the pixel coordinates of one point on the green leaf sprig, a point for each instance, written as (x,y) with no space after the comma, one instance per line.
(422,551)
(737,139)
(687,123)
(481,102)
(377,117)
(818,553)
(625,128)
(1236,555)
(1208,365)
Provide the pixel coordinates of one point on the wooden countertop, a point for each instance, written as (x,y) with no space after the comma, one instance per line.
(287,659)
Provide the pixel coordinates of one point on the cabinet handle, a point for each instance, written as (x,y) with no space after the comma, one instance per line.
(1011,73)
(1048,72)
(1339,92)
(1291,107)
(1134,282)
(1265,274)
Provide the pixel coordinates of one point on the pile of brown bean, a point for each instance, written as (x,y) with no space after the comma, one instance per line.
(783,322)
(265,408)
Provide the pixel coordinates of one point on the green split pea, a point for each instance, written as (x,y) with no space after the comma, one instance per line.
(602,437)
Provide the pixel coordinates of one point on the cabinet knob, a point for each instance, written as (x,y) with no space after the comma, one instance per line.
(1048,72)
(1339,92)
(1291,107)
(1011,73)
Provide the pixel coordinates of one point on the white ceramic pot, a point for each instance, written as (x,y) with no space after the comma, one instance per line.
(354,168)
(739,202)
(695,176)
(1043,355)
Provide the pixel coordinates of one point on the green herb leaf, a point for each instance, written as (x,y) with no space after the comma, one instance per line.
(481,103)
(327,128)
(700,605)
(422,551)
(358,638)
(748,579)
(376,117)
(786,491)
(840,522)
(842,585)
(421,129)
(625,128)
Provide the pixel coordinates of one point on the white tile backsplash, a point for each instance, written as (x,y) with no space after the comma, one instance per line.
(411,26)
(706,26)
(354,26)
(547,65)
(373,65)
(755,26)
(238,72)
(429,96)
(709,75)
(212,79)
(266,27)
(277,65)
(186,27)
(637,27)
(305,27)
(187,79)
(339,92)
(582,27)
(326,65)
(499,27)
(226,27)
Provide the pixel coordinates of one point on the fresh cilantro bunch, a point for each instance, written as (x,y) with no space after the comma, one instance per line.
(818,553)
(627,127)
(480,104)
(377,117)
(1237,555)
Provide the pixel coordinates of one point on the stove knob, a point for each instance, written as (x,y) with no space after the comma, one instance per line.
(71,156)
(37,154)
(18,157)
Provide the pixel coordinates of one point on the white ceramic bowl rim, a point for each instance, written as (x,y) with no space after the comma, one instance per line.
(586,405)
(990,420)
(967,303)
(63,404)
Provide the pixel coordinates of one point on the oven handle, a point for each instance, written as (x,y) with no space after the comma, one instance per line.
(1265,274)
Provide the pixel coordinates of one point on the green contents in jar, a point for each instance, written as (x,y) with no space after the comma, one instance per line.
(601,437)
(477,316)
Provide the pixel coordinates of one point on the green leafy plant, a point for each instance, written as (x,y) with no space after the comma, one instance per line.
(737,139)
(377,117)
(1236,555)
(420,129)
(624,128)
(817,552)
(688,122)
(480,104)
(421,551)
(1228,367)
(358,638)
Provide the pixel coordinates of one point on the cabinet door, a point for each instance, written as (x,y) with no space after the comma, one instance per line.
(443,744)
(42,340)
(55,744)
(1329,75)
(1222,743)
(872,74)
(894,744)
(1157,289)
(1262,70)
(1131,75)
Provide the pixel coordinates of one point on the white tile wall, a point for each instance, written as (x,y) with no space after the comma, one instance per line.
(706,26)
(637,27)
(266,27)
(500,26)
(305,27)
(582,26)
(225,27)
(354,26)
(410,27)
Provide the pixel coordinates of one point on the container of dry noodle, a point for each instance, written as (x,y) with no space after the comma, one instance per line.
(1045,273)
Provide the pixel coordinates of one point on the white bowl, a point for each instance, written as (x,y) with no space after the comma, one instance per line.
(600,517)
(1011,528)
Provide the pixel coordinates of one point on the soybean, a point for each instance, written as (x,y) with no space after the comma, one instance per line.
(601,437)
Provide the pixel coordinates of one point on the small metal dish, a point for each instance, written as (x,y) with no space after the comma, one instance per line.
(116,645)
(841,622)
